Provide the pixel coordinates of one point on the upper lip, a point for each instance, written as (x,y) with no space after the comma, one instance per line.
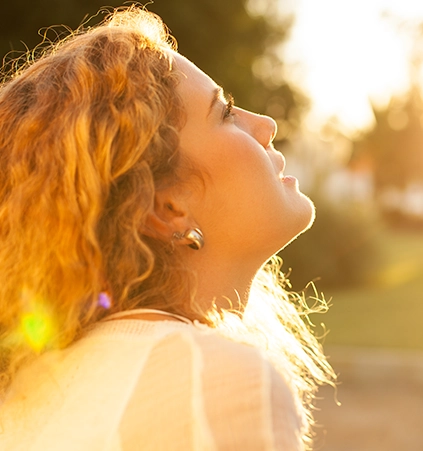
(277,158)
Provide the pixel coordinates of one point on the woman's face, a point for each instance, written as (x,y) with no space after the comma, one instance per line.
(247,207)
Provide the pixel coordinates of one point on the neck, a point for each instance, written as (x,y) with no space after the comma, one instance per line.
(223,282)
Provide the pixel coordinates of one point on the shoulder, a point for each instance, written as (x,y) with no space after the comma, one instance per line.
(241,385)
(230,390)
(223,358)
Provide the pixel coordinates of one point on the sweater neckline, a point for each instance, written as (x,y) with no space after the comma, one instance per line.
(128,313)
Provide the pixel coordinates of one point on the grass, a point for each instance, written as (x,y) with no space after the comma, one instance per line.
(388,311)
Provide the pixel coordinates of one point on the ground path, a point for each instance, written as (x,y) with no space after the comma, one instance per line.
(381,393)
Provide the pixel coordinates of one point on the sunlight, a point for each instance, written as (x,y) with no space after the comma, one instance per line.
(348,55)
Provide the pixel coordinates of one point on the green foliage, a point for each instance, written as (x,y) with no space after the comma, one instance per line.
(341,249)
(21,20)
(220,36)
(389,312)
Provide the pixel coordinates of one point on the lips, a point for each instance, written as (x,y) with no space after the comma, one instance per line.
(289,179)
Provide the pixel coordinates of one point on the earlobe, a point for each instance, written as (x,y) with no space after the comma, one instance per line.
(163,220)
(166,218)
(169,221)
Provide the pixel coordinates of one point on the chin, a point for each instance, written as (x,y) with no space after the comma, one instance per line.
(304,217)
(305,220)
(311,216)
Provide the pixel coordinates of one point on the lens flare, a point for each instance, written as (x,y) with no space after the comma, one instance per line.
(36,326)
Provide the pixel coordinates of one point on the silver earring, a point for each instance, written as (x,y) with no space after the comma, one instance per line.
(197,238)
(193,235)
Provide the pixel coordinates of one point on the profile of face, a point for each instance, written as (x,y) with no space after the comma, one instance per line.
(247,208)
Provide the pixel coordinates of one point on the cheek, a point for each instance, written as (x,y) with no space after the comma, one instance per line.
(239,158)
(236,170)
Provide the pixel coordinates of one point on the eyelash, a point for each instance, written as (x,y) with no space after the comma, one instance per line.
(228,108)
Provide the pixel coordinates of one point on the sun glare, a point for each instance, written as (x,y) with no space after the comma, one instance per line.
(348,55)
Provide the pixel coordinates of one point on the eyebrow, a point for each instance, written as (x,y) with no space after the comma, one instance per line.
(218,93)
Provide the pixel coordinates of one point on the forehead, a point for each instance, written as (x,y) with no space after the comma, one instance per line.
(192,80)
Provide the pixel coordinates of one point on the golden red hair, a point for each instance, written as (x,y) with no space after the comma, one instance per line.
(87,133)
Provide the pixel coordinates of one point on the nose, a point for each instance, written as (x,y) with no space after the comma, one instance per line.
(262,128)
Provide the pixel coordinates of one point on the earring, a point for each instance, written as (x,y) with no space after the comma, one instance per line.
(197,238)
(193,235)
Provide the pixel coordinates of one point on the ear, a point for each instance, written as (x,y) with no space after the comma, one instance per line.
(169,215)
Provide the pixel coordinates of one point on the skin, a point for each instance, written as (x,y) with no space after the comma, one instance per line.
(247,208)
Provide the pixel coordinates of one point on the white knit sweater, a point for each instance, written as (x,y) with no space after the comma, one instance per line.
(133,385)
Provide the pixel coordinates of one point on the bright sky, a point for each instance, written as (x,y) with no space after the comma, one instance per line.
(344,52)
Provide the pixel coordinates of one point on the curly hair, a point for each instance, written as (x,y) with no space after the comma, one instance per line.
(87,134)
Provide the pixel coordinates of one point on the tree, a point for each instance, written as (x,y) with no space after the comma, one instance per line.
(395,144)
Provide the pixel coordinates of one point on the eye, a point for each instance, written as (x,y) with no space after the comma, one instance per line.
(228,111)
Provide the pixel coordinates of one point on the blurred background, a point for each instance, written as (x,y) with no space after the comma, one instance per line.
(344,82)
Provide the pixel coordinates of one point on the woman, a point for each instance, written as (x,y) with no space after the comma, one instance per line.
(138,206)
